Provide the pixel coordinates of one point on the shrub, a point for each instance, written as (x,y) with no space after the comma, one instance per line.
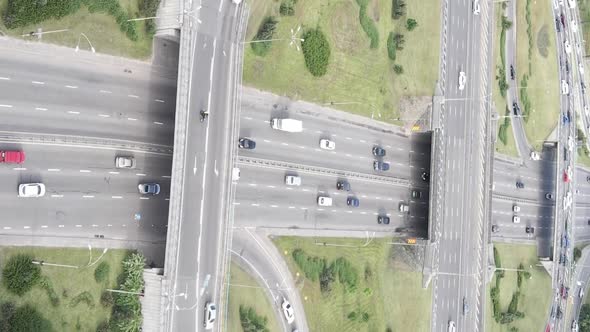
(103,326)
(261,44)
(411,24)
(327,277)
(312,267)
(148,8)
(127,309)
(252,322)
(368,272)
(45,283)
(347,274)
(107,299)
(398,69)
(367,24)
(352,316)
(85,297)
(287,8)
(101,273)
(27,318)
(365,317)
(391,50)
(316,51)
(20,274)
(398,9)
(577,254)
(20,13)
(584,322)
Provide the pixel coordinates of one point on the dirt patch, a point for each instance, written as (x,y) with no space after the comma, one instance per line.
(346,28)
(415,110)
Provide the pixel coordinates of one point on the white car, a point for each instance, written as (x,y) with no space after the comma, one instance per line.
(476,8)
(462,80)
(326,144)
(125,162)
(210,315)
(324,201)
(516,208)
(568,47)
(451,327)
(31,190)
(288,311)
(586,110)
(565,88)
(574,26)
(571,3)
(516,219)
(236,2)
(581,68)
(235,175)
(292,180)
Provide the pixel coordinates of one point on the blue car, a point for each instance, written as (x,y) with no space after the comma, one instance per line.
(352,201)
(149,188)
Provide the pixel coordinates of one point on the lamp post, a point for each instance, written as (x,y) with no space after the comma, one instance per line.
(78,45)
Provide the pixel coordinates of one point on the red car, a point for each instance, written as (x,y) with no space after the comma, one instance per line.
(566,177)
(13,157)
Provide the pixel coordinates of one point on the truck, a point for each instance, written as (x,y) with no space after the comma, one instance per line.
(411,240)
(289,125)
(13,157)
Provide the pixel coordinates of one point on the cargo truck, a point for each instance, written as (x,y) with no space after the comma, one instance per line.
(289,125)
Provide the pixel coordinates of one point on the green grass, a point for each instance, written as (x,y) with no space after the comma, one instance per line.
(102,30)
(536,292)
(582,159)
(584,9)
(543,86)
(67,283)
(244,290)
(361,77)
(394,297)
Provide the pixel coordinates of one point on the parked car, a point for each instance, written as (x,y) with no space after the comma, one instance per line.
(292,180)
(352,201)
(149,188)
(31,190)
(326,144)
(516,219)
(246,143)
(12,157)
(378,151)
(288,311)
(515,208)
(465,306)
(549,196)
(380,165)
(125,162)
(343,185)
(476,7)
(383,220)
(462,80)
(210,315)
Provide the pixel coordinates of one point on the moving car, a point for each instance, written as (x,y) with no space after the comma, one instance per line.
(568,47)
(565,88)
(235,175)
(383,220)
(462,80)
(125,162)
(31,190)
(378,151)
(495,228)
(581,68)
(557,25)
(512,72)
(549,196)
(516,219)
(149,188)
(515,108)
(292,180)
(515,208)
(210,315)
(12,157)
(324,201)
(574,26)
(465,306)
(575,326)
(530,230)
(326,144)
(288,125)
(352,201)
(416,194)
(380,165)
(343,185)
(425,176)
(403,207)
(476,7)
(246,143)
(519,184)
(451,327)
(288,311)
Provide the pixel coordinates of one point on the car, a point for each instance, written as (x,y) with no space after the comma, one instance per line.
(583,86)
(549,196)
(292,180)
(519,184)
(383,220)
(535,155)
(571,3)
(288,311)
(476,7)
(403,207)
(12,157)
(562,17)
(574,25)
(462,80)
(324,201)
(416,194)
(495,228)
(425,176)
(516,219)
(581,292)
(566,119)
(378,151)
(565,88)
(557,25)
(236,2)
(380,165)
(125,162)
(515,208)
(581,68)
(149,188)
(568,47)
(512,72)
(31,190)
(326,144)
(567,66)
(343,185)
(515,108)
(235,175)
(588,178)
(352,201)
(530,230)
(465,306)
(559,313)
(451,327)
(575,326)
(246,144)
(210,315)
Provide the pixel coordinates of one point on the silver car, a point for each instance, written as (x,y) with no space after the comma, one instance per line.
(125,162)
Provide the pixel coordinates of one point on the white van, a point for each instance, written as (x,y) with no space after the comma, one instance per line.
(324,201)
(292,180)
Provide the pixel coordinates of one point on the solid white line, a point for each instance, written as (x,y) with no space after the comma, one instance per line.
(105,91)
(5,78)
(88,196)
(132,119)
(40,109)
(37,82)
(132,96)
(104,115)
(19,169)
(158,100)
(85,171)
(53,170)
(158,123)
(71,87)
(5,106)
(117,197)
(7,227)
(73,112)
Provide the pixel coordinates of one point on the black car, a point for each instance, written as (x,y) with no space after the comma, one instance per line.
(567,66)
(343,185)
(380,165)
(495,228)
(530,230)
(378,151)
(383,220)
(588,178)
(425,176)
(416,194)
(515,108)
(549,196)
(352,201)
(557,25)
(519,184)
(512,72)
(562,20)
(246,143)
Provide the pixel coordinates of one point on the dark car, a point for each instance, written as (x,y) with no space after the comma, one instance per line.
(566,119)
(559,313)
(416,194)
(343,185)
(425,176)
(530,230)
(583,85)
(519,184)
(515,108)
(378,151)
(246,143)
(512,72)
(567,66)
(549,196)
(495,228)
(557,25)
(149,188)
(352,201)
(588,178)
(562,20)
(380,165)
(383,220)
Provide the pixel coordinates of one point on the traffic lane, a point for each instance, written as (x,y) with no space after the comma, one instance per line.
(47,158)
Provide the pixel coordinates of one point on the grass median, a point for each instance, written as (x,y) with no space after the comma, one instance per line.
(377,286)
(535,292)
(76,294)
(359,79)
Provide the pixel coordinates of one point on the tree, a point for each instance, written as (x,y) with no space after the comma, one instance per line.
(584,322)
(398,9)
(251,321)
(101,273)
(316,51)
(391,50)
(398,69)
(577,254)
(399,41)
(27,318)
(262,42)
(411,24)
(20,274)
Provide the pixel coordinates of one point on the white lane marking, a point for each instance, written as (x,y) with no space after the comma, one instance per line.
(266,141)
(105,91)
(104,115)
(5,78)
(158,123)
(132,96)
(88,196)
(5,106)
(71,87)
(144,198)
(236,203)
(252,184)
(117,197)
(7,227)
(132,119)
(26,227)
(73,112)
(78,226)
(255,204)
(61,226)
(38,82)
(113,172)
(94,225)
(140,174)
(166,176)
(57,196)
(19,169)
(44,226)
(272,187)
(247,118)
(285,144)
(85,171)
(274,206)
(158,100)
(40,109)
(291,207)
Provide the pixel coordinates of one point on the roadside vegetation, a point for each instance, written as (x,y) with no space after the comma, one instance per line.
(105,23)
(584,9)
(249,306)
(583,157)
(348,285)
(517,298)
(537,70)
(365,57)
(35,297)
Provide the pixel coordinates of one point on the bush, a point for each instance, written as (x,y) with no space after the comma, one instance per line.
(365,317)
(398,69)
(103,326)
(391,50)
(261,44)
(368,24)
(399,40)
(352,316)
(327,277)
(20,274)
(27,318)
(107,299)
(411,24)
(316,51)
(584,321)
(45,283)
(312,267)
(20,13)
(347,274)
(252,322)
(148,8)
(101,273)
(398,9)
(287,8)
(127,309)
(85,297)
